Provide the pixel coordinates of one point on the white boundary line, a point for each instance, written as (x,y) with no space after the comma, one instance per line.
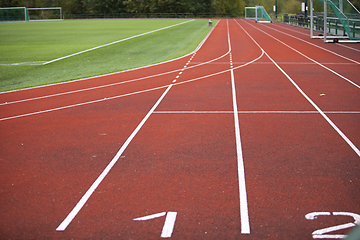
(256,112)
(347,140)
(128,94)
(244,212)
(97,182)
(307,34)
(302,54)
(312,44)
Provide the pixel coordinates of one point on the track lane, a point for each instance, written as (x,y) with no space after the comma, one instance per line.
(299,164)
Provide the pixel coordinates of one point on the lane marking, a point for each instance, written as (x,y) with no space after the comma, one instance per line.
(149,217)
(121,40)
(125,95)
(81,104)
(339,75)
(244,214)
(312,44)
(169,225)
(97,182)
(308,35)
(294,63)
(347,140)
(256,112)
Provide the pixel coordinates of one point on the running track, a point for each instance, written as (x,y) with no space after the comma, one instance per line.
(83,159)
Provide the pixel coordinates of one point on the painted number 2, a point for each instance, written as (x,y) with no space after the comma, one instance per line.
(322,233)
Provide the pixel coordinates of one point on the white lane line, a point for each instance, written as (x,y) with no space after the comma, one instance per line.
(339,75)
(347,140)
(312,44)
(149,217)
(121,40)
(168,225)
(128,94)
(97,182)
(81,104)
(244,214)
(256,112)
(343,45)
(308,34)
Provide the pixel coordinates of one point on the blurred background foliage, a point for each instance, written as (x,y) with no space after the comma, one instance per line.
(163,6)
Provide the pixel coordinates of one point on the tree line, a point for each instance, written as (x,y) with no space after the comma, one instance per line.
(159,6)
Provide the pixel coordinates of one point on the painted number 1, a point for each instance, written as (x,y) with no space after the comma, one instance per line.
(168,225)
(322,233)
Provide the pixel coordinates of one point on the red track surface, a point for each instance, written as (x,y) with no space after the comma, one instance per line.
(183,158)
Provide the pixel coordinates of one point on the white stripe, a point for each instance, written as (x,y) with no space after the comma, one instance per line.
(149,217)
(94,48)
(356,85)
(244,215)
(169,225)
(97,182)
(357,151)
(256,112)
(312,44)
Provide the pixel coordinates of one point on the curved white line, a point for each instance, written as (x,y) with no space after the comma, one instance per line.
(133,93)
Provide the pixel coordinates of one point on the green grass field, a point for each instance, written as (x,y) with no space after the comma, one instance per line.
(24,46)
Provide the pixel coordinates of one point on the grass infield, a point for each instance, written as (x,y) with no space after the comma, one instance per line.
(25,46)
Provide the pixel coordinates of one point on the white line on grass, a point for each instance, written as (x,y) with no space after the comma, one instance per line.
(110,74)
(121,40)
(244,213)
(347,140)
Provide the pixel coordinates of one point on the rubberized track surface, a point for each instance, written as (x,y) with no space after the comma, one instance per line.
(82,160)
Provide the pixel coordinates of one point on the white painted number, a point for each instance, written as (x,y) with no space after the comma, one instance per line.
(321,233)
(168,225)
